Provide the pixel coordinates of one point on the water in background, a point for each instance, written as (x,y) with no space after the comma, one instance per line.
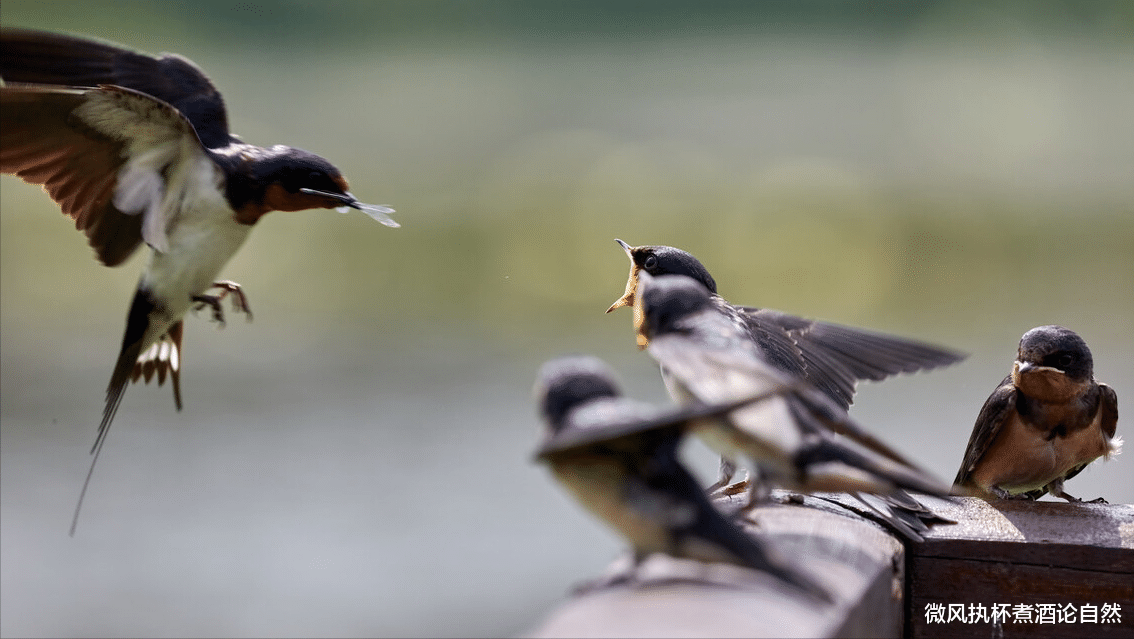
(357,461)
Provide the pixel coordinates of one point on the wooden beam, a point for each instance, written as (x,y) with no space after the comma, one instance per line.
(1047,569)
(1005,569)
(857,562)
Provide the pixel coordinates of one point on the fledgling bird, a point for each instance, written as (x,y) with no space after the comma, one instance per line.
(831,357)
(800,439)
(619,458)
(136,148)
(1044,424)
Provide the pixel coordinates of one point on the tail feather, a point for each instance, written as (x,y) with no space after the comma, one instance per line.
(137,323)
(720,532)
(162,359)
(863,467)
(118,382)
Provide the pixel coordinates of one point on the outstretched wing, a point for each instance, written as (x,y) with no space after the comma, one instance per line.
(38,57)
(836,357)
(101,154)
(77,166)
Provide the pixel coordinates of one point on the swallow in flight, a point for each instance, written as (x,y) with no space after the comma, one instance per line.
(619,458)
(831,357)
(136,148)
(1044,423)
(799,439)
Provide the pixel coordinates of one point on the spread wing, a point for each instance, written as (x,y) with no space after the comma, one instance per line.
(101,154)
(77,166)
(836,357)
(609,422)
(36,57)
(990,420)
(718,375)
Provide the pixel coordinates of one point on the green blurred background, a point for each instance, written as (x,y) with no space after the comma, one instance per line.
(356,461)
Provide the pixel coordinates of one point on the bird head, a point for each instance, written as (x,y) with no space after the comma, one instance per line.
(1052,363)
(660,260)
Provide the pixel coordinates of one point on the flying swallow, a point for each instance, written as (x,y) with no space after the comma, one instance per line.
(800,439)
(1044,423)
(135,149)
(619,458)
(831,357)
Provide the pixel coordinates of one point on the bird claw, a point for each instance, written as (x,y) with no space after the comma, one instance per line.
(1000,493)
(239,301)
(734,489)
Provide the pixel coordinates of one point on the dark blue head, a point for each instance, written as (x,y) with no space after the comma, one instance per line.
(657,261)
(566,383)
(1059,348)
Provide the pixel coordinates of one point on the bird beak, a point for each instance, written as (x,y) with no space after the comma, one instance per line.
(379,212)
(627,298)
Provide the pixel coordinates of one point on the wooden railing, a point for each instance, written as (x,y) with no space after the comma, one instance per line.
(1005,569)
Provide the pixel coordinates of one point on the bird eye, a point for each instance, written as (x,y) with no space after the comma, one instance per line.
(651,263)
(1065,360)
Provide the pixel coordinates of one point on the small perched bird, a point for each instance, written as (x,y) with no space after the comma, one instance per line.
(1044,423)
(832,357)
(800,439)
(619,458)
(829,357)
(135,149)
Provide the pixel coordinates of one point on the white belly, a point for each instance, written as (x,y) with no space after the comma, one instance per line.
(199,247)
(199,239)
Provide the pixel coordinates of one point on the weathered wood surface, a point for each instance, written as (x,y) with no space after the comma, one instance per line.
(1047,559)
(1070,559)
(857,562)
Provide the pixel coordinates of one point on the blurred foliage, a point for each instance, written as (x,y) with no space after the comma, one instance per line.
(902,165)
(954,171)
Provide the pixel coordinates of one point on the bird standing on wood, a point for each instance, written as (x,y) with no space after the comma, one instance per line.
(799,439)
(1044,424)
(136,148)
(619,458)
(830,357)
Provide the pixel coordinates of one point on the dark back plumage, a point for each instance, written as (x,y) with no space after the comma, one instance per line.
(37,57)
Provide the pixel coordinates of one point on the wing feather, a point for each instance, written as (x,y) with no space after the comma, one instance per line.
(993,414)
(38,57)
(42,143)
(97,152)
(836,357)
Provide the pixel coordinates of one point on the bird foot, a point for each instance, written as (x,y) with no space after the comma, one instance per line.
(239,300)
(1075,500)
(730,489)
(1004,494)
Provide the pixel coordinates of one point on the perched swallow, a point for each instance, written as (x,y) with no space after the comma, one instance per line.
(137,149)
(1044,423)
(619,458)
(800,439)
(831,357)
